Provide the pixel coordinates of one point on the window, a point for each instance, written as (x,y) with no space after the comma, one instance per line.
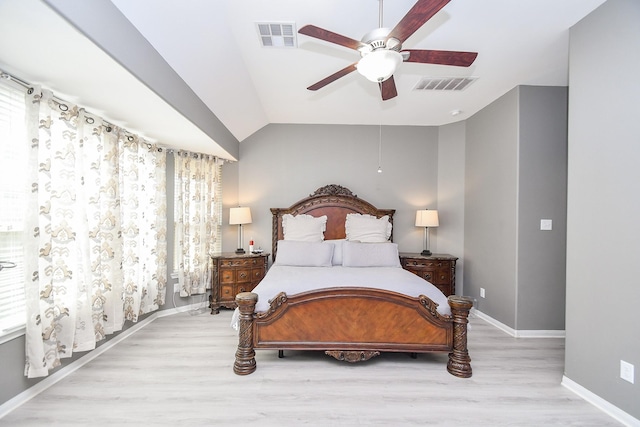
(13,199)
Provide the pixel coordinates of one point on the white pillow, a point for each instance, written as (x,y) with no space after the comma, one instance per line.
(303,227)
(370,255)
(337,250)
(367,228)
(304,254)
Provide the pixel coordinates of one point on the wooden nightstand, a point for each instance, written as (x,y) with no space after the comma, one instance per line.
(234,273)
(439,269)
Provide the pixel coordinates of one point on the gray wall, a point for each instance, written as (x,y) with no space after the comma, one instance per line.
(451,161)
(515,176)
(542,194)
(282,163)
(490,215)
(603,235)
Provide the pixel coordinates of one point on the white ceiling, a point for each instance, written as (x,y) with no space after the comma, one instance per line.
(214,46)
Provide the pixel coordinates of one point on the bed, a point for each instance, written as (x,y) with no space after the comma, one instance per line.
(352,314)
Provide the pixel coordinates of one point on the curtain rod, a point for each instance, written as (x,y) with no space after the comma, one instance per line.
(63,103)
(7,76)
(30,89)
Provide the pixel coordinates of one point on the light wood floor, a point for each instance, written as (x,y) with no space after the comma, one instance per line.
(178,371)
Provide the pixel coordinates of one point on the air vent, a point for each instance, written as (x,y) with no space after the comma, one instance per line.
(277,34)
(444,83)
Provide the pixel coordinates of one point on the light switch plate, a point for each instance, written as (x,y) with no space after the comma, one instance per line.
(546,224)
(626,371)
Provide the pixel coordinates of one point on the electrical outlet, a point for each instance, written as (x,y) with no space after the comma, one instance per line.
(626,371)
(176,288)
(546,224)
(481,292)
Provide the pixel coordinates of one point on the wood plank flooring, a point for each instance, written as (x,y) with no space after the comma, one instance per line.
(177,371)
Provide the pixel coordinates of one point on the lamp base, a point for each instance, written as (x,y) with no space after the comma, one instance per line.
(240,251)
(426,252)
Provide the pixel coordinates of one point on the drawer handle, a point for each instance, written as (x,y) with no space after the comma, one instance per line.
(242,290)
(243,275)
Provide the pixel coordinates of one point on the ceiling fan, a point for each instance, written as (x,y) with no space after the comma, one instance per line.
(381,49)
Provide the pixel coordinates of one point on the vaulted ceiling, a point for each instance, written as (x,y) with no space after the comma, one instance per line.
(214,46)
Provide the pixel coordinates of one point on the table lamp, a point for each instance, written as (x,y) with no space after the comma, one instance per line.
(239,216)
(426,218)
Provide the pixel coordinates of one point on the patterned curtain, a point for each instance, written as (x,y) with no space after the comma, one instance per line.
(197,219)
(98,225)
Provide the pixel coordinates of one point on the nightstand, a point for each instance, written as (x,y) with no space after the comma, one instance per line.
(234,273)
(438,269)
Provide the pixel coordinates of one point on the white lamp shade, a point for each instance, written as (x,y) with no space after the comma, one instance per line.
(427,218)
(379,65)
(240,215)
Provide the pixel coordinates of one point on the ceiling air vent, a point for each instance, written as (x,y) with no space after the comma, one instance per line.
(277,34)
(444,83)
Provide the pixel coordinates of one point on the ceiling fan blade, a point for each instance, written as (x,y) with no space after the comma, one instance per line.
(441,57)
(333,77)
(326,35)
(388,89)
(420,13)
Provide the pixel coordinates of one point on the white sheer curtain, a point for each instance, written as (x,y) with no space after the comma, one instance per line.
(98,226)
(197,219)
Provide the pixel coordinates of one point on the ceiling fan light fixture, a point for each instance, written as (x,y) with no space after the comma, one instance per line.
(379,65)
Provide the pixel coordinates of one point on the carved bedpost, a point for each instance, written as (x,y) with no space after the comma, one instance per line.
(459,360)
(245,362)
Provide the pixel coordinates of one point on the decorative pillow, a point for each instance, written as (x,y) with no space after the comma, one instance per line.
(370,255)
(303,227)
(367,228)
(304,254)
(337,250)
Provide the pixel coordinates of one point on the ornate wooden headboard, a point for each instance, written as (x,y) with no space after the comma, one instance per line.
(332,200)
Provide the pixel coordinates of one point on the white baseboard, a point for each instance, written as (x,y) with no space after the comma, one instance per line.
(600,403)
(587,395)
(47,382)
(525,333)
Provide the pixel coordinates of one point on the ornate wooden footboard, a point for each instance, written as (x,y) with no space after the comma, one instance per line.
(353,324)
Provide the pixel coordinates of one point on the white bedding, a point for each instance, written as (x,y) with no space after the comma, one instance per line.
(294,280)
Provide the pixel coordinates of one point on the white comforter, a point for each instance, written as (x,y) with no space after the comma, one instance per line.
(294,280)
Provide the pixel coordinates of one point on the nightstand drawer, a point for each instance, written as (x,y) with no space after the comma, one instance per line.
(257,274)
(426,275)
(238,262)
(243,275)
(240,275)
(242,288)
(418,264)
(227,276)
(437,269)
(442,276)
(226,292)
